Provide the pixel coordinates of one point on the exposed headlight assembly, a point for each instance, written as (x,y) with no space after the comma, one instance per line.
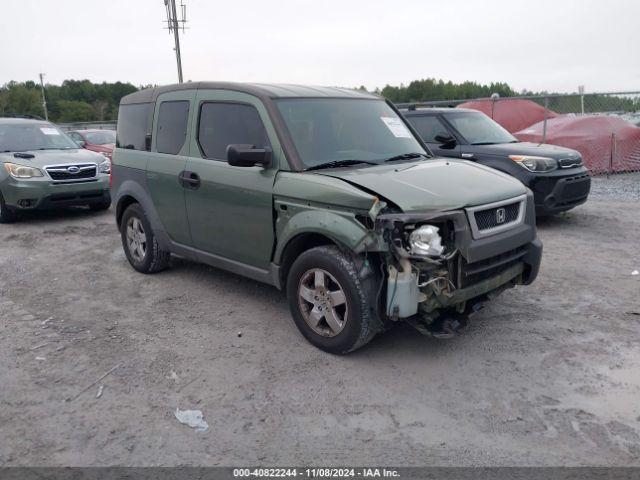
(535,164)
(426,241)
(22,171)
(105,167)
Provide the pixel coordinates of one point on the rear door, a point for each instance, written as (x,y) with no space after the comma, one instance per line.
(169,147)
(429,126)
(230,209)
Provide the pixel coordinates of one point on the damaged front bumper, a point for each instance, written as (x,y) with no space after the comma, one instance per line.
(429,292)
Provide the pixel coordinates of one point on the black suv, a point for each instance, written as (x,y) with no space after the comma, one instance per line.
(555,174)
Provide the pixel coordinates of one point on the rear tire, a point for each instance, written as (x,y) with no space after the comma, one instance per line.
(331,304)
(140,243)
(7,214)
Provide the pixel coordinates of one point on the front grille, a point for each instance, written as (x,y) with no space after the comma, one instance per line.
(497,216)
(570,162)
(70,173)
(472,273)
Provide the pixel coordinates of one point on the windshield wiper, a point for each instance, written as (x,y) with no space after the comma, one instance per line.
(406,156)
(483,143)
(338,163)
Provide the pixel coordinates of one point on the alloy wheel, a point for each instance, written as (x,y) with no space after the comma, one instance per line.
(322,302)
(136,239)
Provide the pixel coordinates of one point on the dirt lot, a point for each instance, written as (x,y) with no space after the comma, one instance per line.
(548,374)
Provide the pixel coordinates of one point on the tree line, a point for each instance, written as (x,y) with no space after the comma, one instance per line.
(85,101)
(430,89)
(73,101)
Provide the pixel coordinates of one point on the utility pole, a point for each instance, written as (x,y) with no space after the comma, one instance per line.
(173,26)
(581,92)
(44,100)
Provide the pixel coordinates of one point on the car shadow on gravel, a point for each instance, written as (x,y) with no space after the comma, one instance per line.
(400,337)
(60,215)
(222,279)
(560,220)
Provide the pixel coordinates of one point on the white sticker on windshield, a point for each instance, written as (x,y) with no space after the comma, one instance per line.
(396,126)
(49,131)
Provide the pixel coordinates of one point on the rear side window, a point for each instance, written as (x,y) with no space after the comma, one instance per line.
(223,124)
(429,127)
(172,126)
(133,125)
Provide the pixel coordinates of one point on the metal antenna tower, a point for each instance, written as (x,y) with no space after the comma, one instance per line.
(174,25)
(44,100)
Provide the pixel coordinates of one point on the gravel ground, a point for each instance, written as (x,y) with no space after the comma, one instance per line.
(546,375)
(623,187)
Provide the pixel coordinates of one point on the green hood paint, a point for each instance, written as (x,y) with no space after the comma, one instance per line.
(432,185)
(320,190)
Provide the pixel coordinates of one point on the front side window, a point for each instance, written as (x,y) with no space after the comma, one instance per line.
(20,137)
(172,126)
(478,129)
(429,127)
(333,129)
(224,124)
(75,136)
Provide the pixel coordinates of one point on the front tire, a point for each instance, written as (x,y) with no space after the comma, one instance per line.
(7,214)
(140,243)
(331,304)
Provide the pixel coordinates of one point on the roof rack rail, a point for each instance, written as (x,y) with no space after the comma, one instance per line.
(22,115)
(436,104)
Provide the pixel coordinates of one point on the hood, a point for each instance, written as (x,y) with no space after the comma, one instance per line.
(43,158)
(525,148)
(430,185)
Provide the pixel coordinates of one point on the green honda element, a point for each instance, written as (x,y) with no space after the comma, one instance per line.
(325,193)
(42,168)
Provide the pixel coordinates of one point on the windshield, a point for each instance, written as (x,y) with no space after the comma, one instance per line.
(33,136)
(330,129)
(478,129)
(101,138)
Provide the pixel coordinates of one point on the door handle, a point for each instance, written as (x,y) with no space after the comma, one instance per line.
(467,155)
(189,179)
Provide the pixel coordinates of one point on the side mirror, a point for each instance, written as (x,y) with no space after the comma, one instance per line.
(446,141)
(81,143)
(242,155)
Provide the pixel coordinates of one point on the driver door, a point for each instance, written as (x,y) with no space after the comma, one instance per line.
(230,209)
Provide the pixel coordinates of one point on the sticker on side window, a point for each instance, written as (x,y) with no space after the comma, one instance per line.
(396,127)
(49,131)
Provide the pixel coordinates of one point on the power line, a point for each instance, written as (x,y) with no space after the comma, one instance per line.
(174,25)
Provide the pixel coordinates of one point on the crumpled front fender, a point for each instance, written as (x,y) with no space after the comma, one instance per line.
(341,227)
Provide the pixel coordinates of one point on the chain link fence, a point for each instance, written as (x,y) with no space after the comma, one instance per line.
(603,127)
(108,125)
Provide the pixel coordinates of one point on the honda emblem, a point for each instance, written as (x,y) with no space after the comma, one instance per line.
(501,215)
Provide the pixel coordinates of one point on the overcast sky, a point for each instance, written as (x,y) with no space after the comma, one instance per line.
(535,44)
